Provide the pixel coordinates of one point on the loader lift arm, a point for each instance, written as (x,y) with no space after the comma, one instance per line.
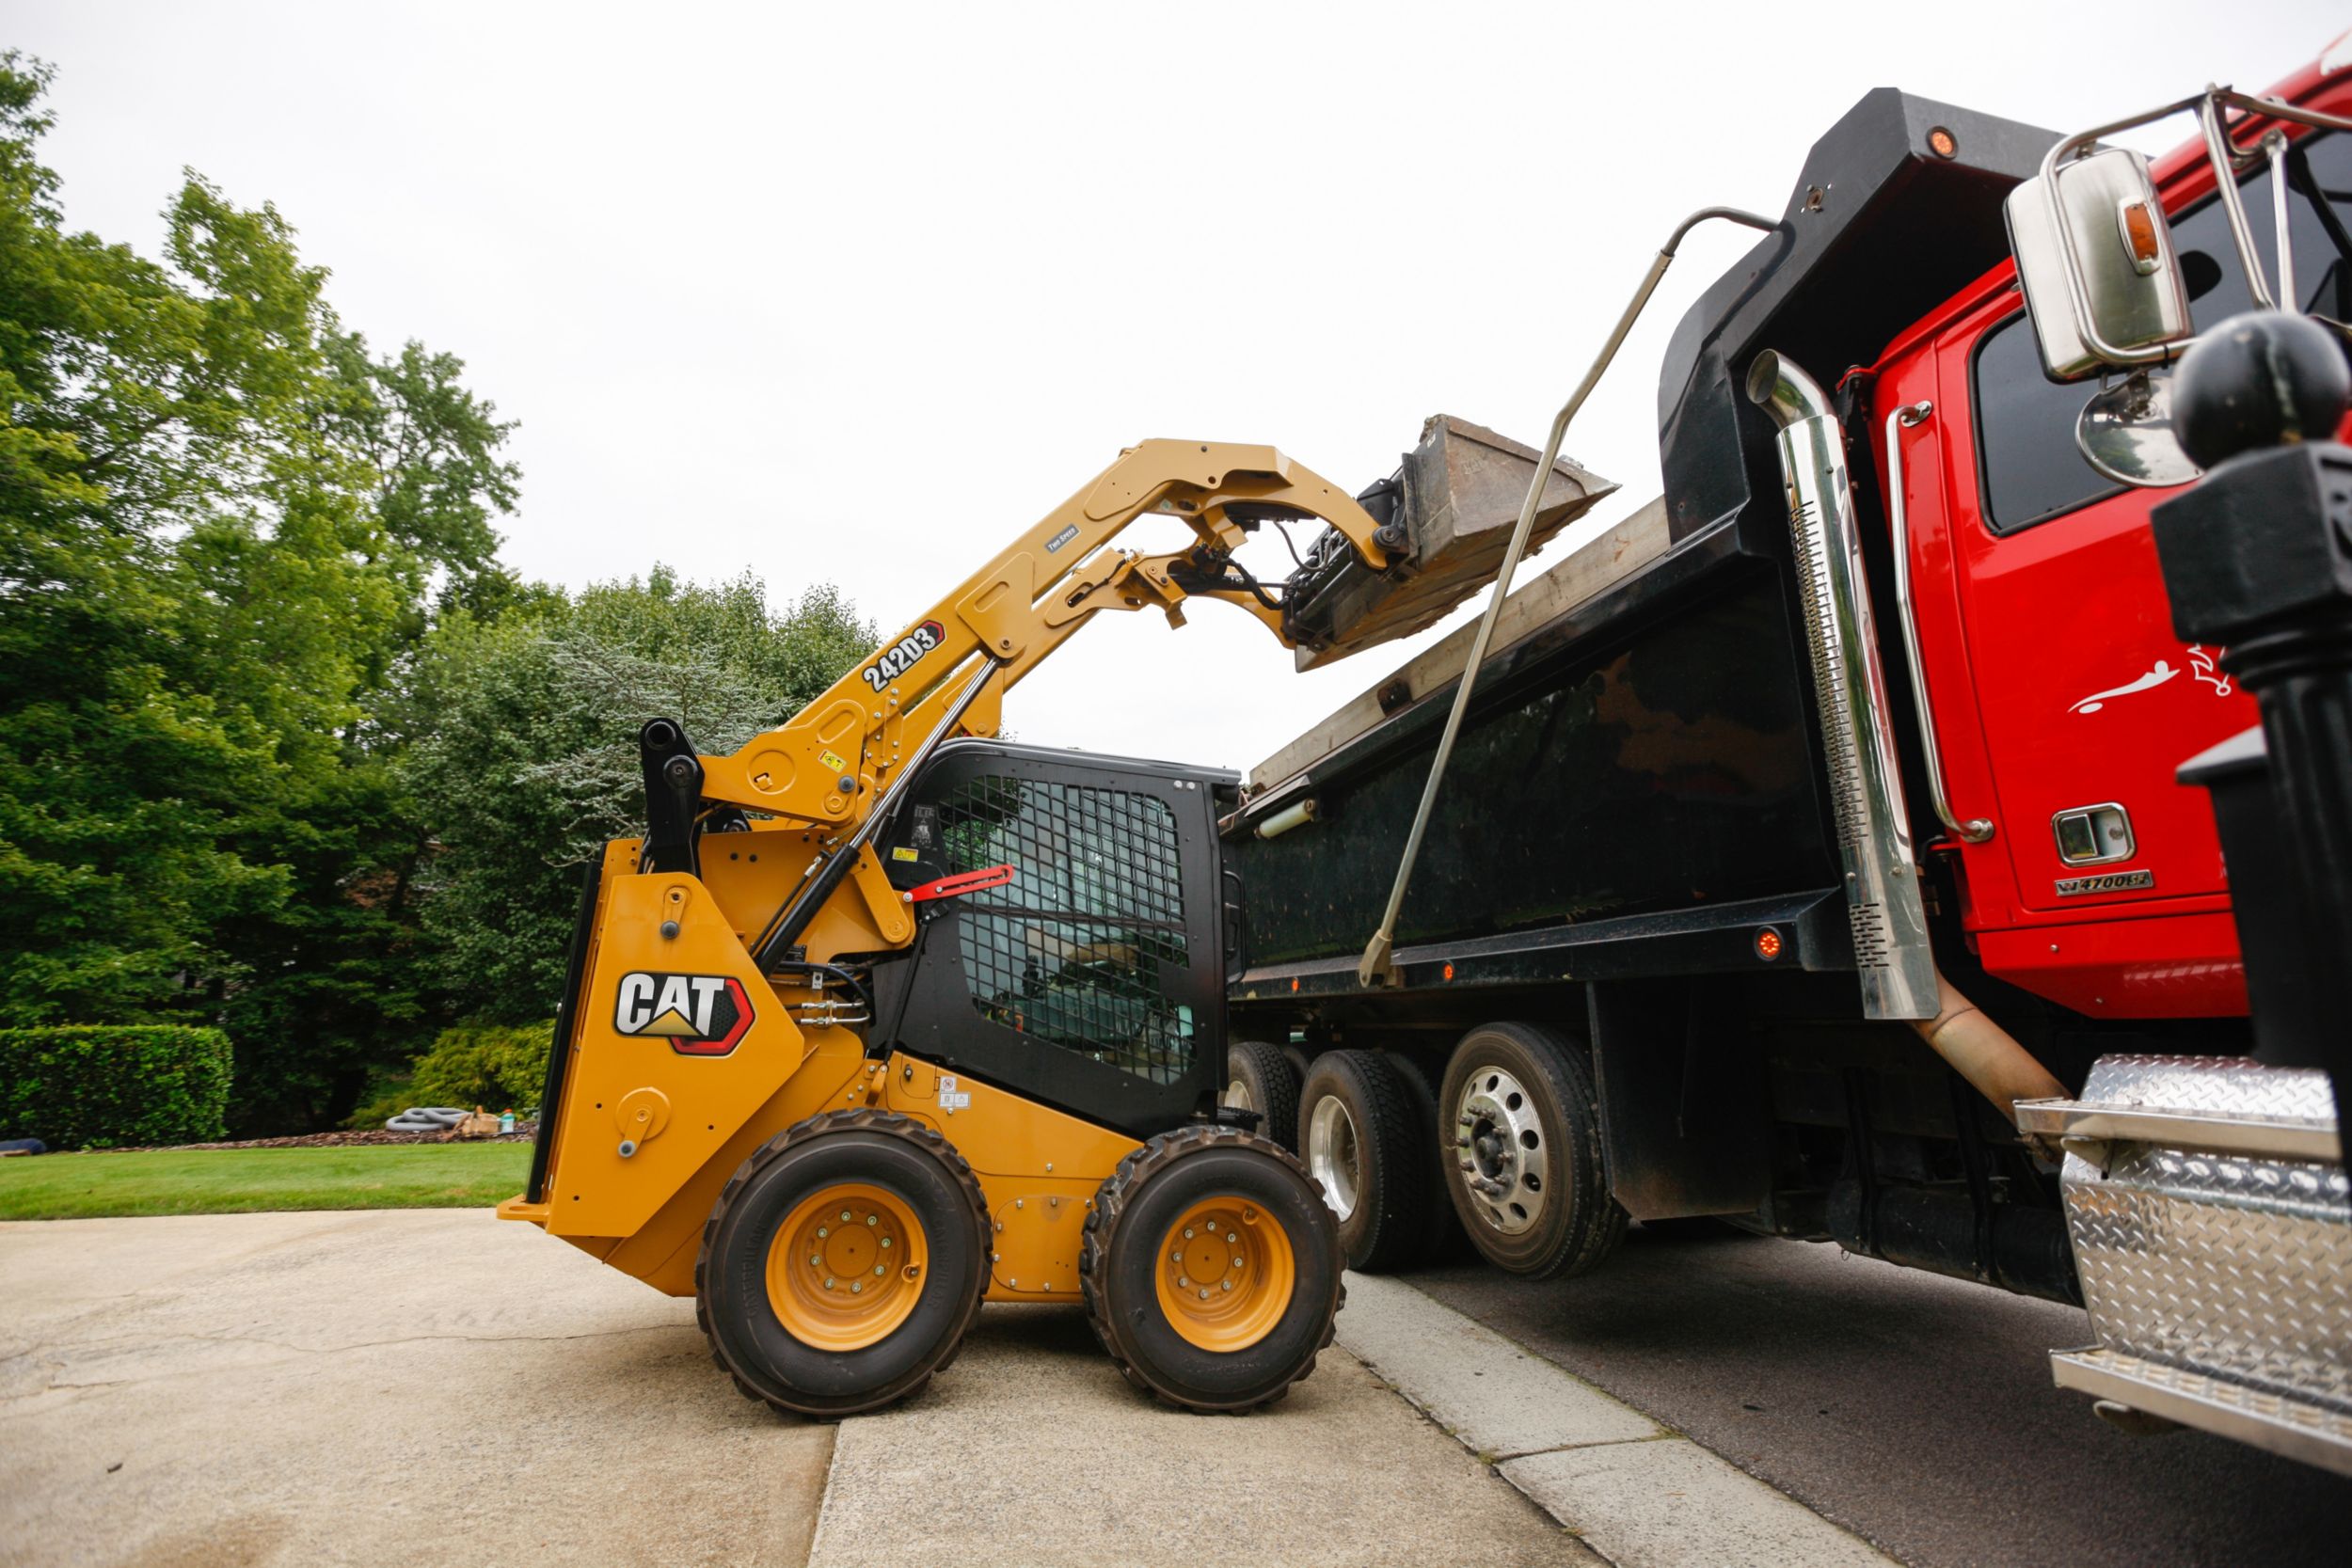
(838,764)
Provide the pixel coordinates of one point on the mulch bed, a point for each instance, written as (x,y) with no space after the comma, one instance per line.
(524,1131)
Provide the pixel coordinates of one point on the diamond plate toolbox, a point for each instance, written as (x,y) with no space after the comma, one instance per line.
(2233,1266)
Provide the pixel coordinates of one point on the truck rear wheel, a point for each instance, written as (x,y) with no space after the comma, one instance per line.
(1441,1234)
(1524,1123)
(1211,1268)
(1357,1133)
(843,1263)
(1258,1077)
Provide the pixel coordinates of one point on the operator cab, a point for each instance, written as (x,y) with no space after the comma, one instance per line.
(1094,977)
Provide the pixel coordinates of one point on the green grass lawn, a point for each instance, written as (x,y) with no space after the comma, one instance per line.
(243,1180)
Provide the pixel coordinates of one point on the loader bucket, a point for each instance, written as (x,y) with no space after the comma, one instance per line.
(1462,488)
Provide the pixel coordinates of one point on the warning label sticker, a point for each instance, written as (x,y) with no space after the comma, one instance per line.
(830,761)
(951,1097)
(902,853)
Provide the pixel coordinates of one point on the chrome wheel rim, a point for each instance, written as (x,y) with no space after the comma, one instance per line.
(1334,1158)
(1498,1152)
(1236,1096)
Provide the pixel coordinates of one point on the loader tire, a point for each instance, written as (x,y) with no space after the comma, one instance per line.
(1237,1210)
(1529,1183)
(822,1316)
(1257,1077)
(1359,1137)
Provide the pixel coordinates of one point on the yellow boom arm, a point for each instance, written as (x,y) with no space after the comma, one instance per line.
(839,756)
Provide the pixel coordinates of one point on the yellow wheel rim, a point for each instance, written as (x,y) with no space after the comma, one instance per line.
(1225,1274)
(846,1266)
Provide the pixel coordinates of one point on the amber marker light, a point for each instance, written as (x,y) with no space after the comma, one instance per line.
(1449,972)
(1943,143)
(1768,944)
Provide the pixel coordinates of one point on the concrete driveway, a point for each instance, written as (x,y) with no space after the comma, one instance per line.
(435,1386)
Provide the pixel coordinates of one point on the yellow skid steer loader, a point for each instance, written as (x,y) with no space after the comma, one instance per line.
(882,1018)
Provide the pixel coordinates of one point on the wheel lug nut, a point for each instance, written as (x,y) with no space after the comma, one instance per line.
(1176,1257)
(828,1282)
(885,1240)
(870,1218)
(812,1260)
(1230,1236)
(1188,1233)
(1183,1284)
(1227,1284)
(845,1217)
(1238,1262)
(822,1232)
(856,1285)
(878,1268)
(1204,1293)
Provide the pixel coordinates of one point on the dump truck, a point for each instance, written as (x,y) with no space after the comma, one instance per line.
(1907,832)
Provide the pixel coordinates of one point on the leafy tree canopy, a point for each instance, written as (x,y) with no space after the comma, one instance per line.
(282,745)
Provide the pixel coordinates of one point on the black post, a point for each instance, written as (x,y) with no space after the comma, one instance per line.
(2258,559)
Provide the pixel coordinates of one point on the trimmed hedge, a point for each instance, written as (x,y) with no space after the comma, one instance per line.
(105,1087)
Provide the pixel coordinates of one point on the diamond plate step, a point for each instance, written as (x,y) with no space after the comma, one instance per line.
(2312,1433)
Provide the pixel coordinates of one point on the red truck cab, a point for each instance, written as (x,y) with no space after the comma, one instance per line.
(2062,702)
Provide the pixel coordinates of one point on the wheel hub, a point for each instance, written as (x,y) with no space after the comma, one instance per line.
(846,1266)
(1498,1151)
(1225,1274)
(1334,1155)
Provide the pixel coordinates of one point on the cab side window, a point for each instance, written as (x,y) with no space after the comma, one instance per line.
(1083,947)
(2031,470)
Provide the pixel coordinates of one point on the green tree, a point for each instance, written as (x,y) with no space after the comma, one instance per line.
(282,745)
(222,522)
(530,761)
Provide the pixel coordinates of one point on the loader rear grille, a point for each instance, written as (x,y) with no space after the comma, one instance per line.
(1079,949)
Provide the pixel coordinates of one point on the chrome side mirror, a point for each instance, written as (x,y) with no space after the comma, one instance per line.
(2096,263)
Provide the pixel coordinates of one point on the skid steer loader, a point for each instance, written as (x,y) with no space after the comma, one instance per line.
(882,1018)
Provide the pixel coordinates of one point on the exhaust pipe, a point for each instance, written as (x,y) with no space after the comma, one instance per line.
(1865,784)
(1988,1055)
(1873,829)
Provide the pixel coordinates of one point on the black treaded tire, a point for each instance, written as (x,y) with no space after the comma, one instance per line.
(1386,1222)
(1579,1222)
(1271,1083)
(731,1304)
(1442,1237)
(1119,1257)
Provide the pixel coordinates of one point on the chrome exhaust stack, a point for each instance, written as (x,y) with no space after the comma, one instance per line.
(1883,902)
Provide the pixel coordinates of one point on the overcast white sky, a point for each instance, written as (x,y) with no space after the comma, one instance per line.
(855,293)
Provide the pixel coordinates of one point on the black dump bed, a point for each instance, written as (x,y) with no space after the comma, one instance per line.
(1633,791)
(1638,787)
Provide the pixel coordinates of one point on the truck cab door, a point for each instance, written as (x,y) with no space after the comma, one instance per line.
(1091,981)
(2064,702)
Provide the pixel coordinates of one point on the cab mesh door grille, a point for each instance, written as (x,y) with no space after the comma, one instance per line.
(1079,948)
